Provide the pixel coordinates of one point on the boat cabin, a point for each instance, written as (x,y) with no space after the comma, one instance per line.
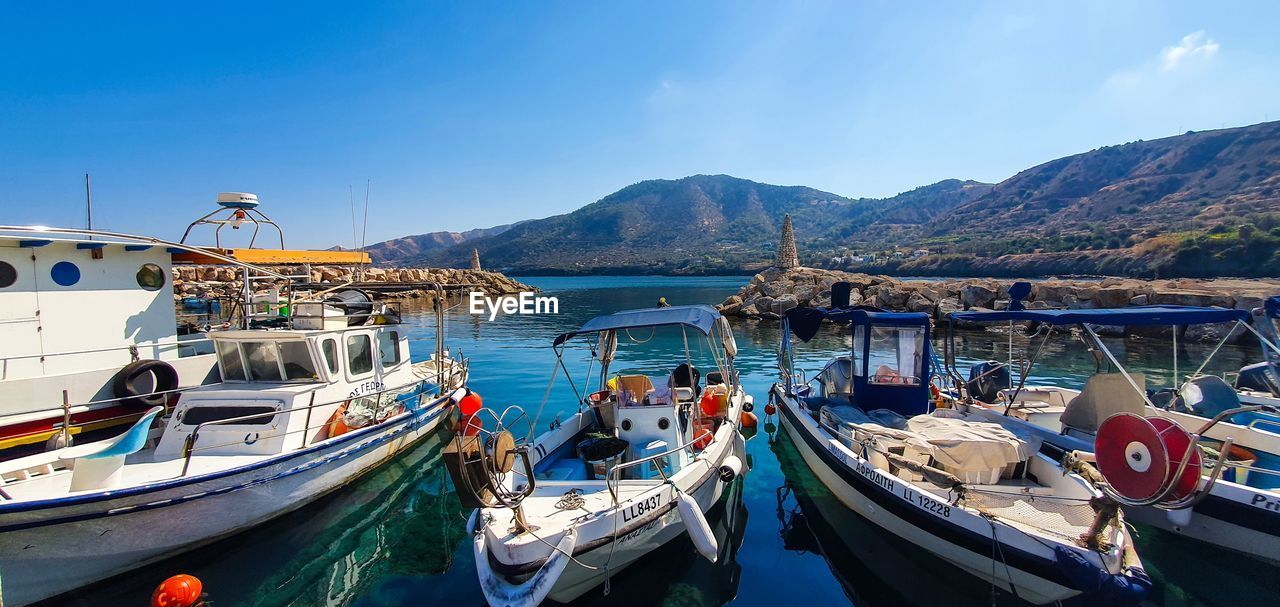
(352,377)
(888,366)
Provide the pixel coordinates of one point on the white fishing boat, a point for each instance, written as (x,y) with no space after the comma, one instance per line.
(638,464)
(90,335)
(972,493)
(1195,459)
(324,395)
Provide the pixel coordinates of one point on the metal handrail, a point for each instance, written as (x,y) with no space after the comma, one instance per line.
(107,349)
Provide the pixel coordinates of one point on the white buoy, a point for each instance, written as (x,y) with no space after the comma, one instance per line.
(696,524)
(498,592)
(730,469)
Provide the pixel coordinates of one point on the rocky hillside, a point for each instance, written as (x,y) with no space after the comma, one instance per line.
(412,247)
(1198,204)
(700,224)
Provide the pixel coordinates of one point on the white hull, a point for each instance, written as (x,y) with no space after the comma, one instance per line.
(885,508)
(39,562)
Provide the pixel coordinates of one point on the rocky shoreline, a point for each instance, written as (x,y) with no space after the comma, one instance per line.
(223,281)
(776,290)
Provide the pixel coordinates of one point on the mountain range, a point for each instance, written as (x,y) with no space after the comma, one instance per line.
(1197,204)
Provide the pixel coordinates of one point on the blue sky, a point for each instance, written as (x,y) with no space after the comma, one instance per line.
(470,114)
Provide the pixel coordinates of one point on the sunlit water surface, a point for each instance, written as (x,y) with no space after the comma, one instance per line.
(396,537)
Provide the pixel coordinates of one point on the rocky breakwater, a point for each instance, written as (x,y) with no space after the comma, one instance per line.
(775,290)
(223,281)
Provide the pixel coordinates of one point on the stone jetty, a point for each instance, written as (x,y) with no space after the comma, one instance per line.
(223,281)
(777,289)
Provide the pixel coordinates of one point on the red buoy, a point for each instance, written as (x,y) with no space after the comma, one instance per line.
(471,425)
(770,409)
(748,419)
(181,590)
(470,404)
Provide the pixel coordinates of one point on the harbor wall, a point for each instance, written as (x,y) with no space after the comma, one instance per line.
(223,281)
(775,290)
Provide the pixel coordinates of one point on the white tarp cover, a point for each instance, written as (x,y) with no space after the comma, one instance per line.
(962,445)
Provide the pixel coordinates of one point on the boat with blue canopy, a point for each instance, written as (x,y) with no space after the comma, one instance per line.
(869,426)
(651,447)
(1197,458)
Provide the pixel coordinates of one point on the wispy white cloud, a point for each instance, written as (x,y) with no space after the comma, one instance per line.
(1193,46)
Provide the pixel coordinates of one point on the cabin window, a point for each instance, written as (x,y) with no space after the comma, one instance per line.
(8,274)
(896,356)
(229,360)
(330,349)
(150,277)
(296,358)
(263,361)
(389,348)
(359,354)
(203,415)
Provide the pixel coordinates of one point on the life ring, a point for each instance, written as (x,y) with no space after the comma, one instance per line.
(165,381)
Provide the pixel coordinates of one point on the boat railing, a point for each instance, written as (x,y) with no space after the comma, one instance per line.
(190,448)
(157,348)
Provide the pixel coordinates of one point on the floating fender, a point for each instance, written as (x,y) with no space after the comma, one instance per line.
(730,469)
(165,380)
(748,419)
(181,590)
(696,524)
(498,592)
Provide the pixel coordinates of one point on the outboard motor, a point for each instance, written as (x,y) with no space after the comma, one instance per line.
(356,304)
(1260,377)
(987,379)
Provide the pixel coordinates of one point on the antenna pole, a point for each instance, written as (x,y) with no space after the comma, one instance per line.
(364,238)
(88,204)
(355,244)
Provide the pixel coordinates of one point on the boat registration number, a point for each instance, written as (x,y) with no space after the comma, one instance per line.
(926,502)
(639,508)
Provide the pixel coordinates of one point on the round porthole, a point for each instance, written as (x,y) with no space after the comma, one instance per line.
(151,277)
(664,423)
(65,273)
(626,425)
(8,275)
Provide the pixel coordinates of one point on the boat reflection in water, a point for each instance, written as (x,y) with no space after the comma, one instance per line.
(674,574)
(387,538)
(873,566)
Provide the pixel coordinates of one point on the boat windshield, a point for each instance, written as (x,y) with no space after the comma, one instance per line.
(266,361)
(895,356)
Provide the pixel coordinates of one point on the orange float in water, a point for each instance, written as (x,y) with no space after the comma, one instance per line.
(181,590)
(748,419)
(770,409)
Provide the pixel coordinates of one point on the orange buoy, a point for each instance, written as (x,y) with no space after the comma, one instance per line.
(702,433)
(770,409)
(181,590)
(470,404)
(748,419)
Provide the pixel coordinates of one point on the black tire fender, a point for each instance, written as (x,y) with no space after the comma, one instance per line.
(166,380)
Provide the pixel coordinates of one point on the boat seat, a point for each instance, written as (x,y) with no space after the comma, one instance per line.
(99,465)
(1104,395)
(837,377)
(685,376)
(632,389)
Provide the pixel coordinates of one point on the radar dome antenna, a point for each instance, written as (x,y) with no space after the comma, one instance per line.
(235,209)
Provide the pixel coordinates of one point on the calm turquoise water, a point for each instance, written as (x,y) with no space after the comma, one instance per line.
(396,538)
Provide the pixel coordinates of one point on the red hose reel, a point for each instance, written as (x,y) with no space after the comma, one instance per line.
(1142,458)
